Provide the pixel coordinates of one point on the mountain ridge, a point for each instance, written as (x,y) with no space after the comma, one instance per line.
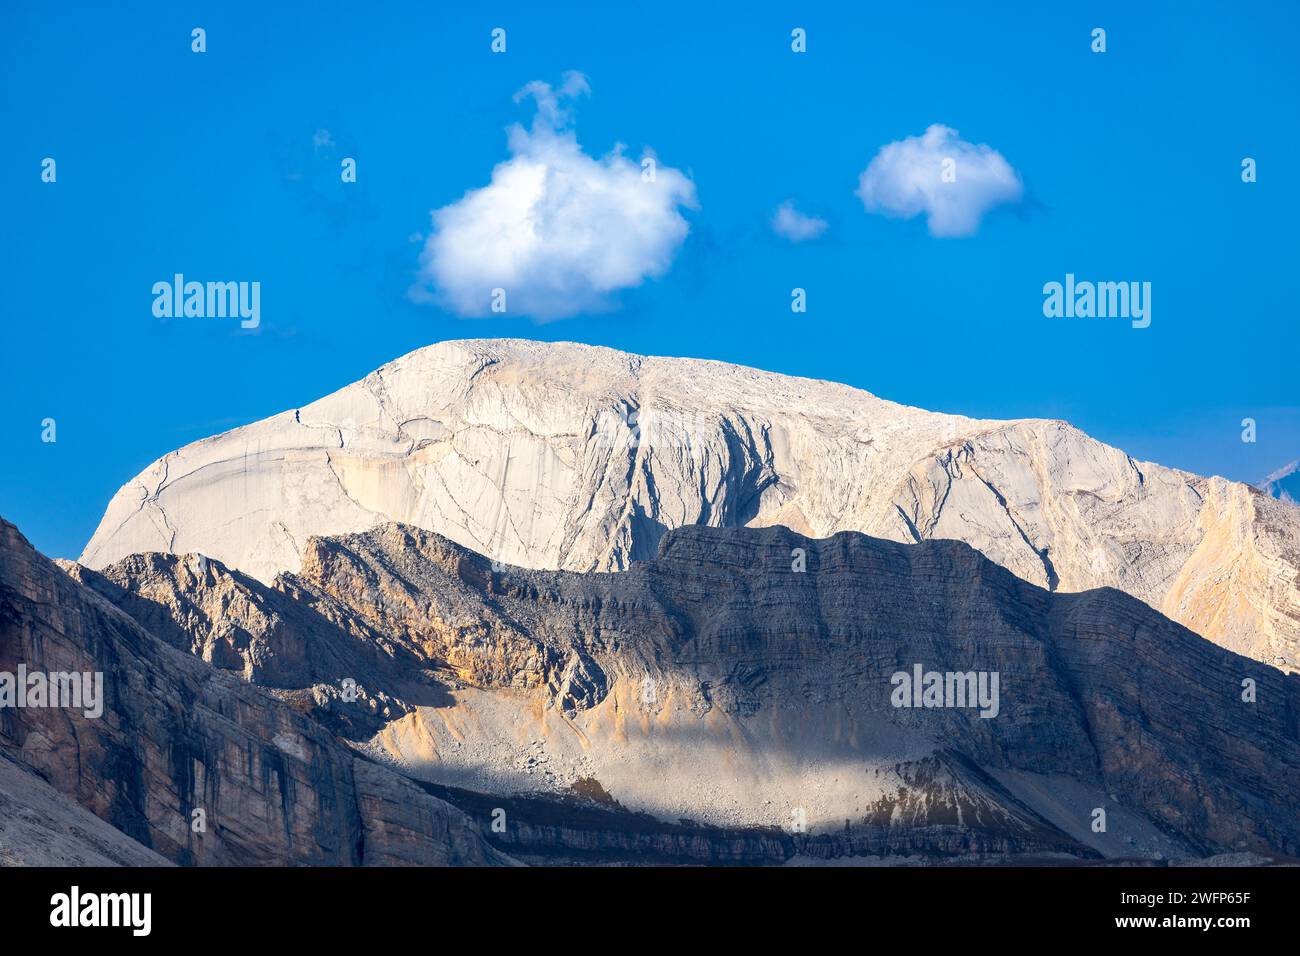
(771,692)
(579,457)
(274,785)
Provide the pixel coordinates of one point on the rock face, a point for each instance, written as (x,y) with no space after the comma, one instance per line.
(177,735)
(573,457)
(1284,483)
(274,638)
(41,827)
(745,679)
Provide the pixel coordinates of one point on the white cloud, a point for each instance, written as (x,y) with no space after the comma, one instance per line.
(560,231)
(794,225)
(908,177)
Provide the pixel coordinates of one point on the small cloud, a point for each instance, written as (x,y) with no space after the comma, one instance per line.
(560,231)
(549,112)
(794,225)
(937,173)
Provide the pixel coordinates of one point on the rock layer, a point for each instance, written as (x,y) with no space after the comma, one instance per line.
(561,456)
(177,735)
(41,827)
(744,679)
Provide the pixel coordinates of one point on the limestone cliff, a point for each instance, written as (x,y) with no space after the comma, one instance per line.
(562,456)
(743,680)
(176,735)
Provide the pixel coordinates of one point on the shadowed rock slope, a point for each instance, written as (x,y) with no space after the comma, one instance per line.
(41,827)
(741,681)
(177,735)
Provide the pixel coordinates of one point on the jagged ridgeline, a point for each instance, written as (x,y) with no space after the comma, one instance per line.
(562,456)
(505,602)
(733,699)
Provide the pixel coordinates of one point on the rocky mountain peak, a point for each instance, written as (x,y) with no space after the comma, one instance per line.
(743,674)
(562,456)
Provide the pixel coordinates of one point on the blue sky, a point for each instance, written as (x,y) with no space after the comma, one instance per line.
(210,164)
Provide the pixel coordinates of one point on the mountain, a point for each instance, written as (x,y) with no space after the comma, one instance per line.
(1284,483)
(176,735)
(733,699)
(562,456)
(41,827)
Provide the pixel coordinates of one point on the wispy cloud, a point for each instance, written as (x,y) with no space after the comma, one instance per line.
(789,222)
(560,231)
(938,173)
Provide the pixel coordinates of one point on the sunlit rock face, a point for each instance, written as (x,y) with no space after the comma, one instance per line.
(563,456)
(749,680)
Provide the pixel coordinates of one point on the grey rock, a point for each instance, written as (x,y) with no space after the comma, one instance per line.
(177,735)
(773,694)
